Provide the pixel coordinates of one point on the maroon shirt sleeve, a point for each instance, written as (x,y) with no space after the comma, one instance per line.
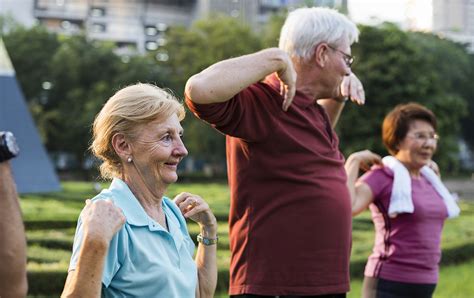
(245,116)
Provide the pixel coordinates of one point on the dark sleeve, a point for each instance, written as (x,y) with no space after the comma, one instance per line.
(379,179)
(249,115)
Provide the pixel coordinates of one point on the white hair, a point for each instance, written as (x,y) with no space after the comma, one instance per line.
(305,28)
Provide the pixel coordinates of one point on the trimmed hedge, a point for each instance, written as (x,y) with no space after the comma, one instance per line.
(49,283)
(52,282)
(51,243)
(32,225)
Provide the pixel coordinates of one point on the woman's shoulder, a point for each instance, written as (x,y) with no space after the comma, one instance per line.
(378,172)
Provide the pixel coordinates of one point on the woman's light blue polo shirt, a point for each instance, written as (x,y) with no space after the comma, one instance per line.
(145,260)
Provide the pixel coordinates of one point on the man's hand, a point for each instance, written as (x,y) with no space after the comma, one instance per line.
(101,219)
(352,88)
(287,77)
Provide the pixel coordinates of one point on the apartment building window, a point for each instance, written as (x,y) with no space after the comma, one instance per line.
(151,31)
(71,25)
(154,30)
(162,27)
(97,11)
(98,27)
(179,3)
(151,45)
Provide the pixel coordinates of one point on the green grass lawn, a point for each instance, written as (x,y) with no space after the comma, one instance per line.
(456,281)
(50,220)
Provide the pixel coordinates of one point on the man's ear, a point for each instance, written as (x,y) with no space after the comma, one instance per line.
(121,146)
(320,55)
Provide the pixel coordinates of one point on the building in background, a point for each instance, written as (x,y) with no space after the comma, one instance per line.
(140,25)
(454,19)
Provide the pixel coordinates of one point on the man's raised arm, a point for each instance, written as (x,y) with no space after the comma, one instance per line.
(221,81)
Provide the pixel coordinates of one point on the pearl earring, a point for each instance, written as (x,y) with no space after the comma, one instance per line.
(129,159)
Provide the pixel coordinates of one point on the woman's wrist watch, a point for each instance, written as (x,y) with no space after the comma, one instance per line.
(8,146)
(207,241)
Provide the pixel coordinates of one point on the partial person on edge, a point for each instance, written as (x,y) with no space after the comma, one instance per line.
(13,281)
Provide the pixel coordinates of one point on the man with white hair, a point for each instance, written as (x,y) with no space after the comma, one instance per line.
(290,216)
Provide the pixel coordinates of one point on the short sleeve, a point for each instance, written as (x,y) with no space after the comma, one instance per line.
(379,179)
(76,245)
(114,258)
(248,115)
(111,265)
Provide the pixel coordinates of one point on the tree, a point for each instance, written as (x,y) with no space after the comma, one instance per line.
(192,50)
(31,51)
(82,78)
(395,68)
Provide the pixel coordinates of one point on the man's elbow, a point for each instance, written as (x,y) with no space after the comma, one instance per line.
(194,90)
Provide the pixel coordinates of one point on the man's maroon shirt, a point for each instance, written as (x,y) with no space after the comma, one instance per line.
(290,211)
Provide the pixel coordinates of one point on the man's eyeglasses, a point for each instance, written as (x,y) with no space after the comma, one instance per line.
(424,137)
(347,58)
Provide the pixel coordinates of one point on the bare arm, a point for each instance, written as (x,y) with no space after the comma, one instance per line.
(86,280)
(221,81)
(195,208)
(360,192)
(351,88)
(13,282)
(101,219)
(206,263)
(333,108)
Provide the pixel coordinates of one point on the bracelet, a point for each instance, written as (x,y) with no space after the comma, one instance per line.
(207,241)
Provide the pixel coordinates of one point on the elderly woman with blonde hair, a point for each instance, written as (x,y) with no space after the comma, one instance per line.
(131,240)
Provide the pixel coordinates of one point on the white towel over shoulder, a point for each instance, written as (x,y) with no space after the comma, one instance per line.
(401,200)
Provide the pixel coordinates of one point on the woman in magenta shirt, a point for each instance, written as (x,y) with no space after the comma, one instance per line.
(406,253)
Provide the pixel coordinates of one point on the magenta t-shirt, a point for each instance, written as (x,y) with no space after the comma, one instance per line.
(407,248)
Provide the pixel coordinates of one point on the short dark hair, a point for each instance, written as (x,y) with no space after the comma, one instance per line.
(397,122)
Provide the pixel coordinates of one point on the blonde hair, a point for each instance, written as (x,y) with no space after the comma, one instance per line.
(122,113)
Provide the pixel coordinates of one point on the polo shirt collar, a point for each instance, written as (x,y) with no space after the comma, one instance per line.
(133,210)
(301,100)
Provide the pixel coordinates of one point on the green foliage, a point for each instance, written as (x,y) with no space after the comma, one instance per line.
(31,51)
(271,30)
(399,67)
(191,51)
(81,77)
(454,281)
(395,67)
(7,23)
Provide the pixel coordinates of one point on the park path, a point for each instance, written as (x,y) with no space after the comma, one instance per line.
(463,187)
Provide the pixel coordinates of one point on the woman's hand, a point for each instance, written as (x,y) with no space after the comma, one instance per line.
(365,159)
(101,220)
(434,166)
(194,207)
